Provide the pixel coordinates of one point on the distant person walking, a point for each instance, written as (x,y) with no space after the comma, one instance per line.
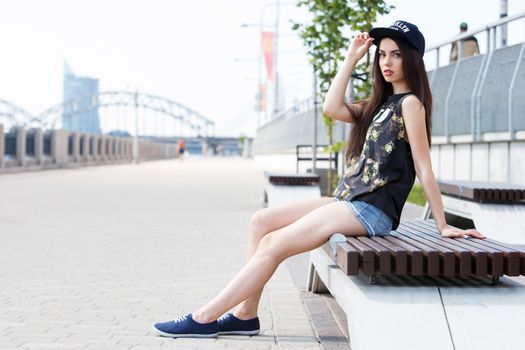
(389,146)
(181,146)
(470,45)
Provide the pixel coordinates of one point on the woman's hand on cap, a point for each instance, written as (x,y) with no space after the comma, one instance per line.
(360,45)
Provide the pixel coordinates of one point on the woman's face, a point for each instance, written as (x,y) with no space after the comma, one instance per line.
(390,61)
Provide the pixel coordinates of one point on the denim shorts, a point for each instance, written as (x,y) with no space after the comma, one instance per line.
(376,222)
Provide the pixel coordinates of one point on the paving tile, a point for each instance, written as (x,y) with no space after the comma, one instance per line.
(122,247)
(54,346)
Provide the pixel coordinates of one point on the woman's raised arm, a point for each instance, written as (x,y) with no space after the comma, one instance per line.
(334,105)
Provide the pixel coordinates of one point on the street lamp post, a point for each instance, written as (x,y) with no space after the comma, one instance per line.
(275,60)
(136,138)
(275,57)
(314,146)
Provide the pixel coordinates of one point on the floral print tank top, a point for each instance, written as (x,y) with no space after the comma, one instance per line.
(384,173)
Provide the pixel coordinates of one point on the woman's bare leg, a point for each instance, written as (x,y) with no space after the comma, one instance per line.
(263,222)
(308,232)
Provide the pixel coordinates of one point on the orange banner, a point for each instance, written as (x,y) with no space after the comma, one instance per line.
(263,100)
(267,46)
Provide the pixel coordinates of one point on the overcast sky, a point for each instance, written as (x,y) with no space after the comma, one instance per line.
(183,50)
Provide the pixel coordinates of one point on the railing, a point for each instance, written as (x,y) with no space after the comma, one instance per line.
(30,144)
(491,37)
(480,98)
(477,99)
(491,44)
(10,144)
(35,149)
(303,106)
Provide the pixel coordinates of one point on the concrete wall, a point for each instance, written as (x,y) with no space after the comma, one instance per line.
(280,136)
(2,146)
(481,96)
(484,161)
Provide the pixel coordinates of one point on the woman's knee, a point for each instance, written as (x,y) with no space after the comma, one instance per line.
(260,223)
(269,247)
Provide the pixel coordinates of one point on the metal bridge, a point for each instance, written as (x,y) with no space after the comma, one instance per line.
(122,112)
(12,115)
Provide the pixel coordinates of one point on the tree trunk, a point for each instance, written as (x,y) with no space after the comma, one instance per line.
(330,186)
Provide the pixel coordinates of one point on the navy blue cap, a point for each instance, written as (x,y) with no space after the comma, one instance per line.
(402,30)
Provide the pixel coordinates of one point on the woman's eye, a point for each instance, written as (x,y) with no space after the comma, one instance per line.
(397,55)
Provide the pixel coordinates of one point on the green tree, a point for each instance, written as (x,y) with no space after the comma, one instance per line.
(242,140)
(324,37)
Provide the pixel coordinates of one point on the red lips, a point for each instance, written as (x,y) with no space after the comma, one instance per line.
(388,72)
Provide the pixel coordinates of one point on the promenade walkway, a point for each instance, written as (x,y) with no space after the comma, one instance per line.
(91,258)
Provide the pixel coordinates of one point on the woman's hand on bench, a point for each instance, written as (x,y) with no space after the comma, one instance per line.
(456,233)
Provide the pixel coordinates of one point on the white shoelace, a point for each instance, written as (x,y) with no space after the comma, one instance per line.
(181,319)
(223,317)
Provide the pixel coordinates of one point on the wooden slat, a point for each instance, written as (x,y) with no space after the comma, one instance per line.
(400,256)
(479,256)
(446,256)
(348,258)
(367,254)
(501,261)
(511,256)
(416,256)
(507,247)
(496,258)
(384,255)
(463,256)
(431,259)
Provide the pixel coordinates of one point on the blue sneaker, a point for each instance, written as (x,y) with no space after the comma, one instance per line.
(186,327)
(229,324)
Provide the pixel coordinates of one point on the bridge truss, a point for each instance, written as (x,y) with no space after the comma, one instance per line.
(126,112)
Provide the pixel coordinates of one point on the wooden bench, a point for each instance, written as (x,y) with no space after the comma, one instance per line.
(290,187)
(427,292)
(484,192)
(495,209)
(416,249)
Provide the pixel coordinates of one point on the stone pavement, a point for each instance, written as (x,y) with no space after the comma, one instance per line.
(92,257)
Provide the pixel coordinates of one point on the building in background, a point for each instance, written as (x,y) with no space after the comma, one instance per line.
(80,103)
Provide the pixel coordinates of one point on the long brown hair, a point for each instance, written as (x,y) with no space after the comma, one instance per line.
(416,78)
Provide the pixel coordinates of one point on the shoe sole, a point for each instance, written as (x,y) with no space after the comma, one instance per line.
(239,332)
(171,335)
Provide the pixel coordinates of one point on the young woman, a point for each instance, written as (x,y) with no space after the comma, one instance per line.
(388,146)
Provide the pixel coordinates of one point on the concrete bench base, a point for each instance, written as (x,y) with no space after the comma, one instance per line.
(420,313)
(282,194)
